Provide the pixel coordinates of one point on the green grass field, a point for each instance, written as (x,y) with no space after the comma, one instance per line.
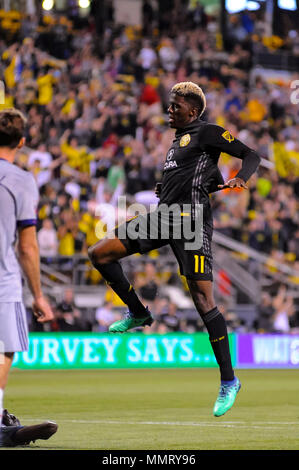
(157,409)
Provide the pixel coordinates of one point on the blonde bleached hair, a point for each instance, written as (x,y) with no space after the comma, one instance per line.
(192,93)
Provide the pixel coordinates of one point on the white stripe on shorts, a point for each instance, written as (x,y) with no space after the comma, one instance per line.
(13,327)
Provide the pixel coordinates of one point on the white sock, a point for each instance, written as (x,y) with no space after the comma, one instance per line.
(1,404)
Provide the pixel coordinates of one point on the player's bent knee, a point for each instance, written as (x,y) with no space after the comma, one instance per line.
(97,255)
(91,254)
(106,251)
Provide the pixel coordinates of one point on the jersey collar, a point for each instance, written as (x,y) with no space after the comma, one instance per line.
(189,127)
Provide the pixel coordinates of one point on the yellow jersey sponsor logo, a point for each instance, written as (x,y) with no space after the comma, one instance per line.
(185,140)
(227,136)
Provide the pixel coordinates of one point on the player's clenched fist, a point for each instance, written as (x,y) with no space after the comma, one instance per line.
(42,310)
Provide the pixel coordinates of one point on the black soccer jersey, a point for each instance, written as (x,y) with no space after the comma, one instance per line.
(191,168)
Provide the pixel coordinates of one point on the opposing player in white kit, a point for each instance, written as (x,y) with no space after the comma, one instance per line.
(18,204)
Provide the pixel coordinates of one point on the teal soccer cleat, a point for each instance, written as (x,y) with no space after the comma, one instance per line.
(129,322)
(226,397)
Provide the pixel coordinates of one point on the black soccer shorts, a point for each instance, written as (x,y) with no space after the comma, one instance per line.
(144,233)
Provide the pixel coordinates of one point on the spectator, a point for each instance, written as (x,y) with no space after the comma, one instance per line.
(264,321)
(147,283)
(168,55)
(148,56)
(284,309)
(41,154)
(68,317)
(104,316)
(47,240)
(170,318)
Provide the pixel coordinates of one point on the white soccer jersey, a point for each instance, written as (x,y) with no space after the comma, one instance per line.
(18,205)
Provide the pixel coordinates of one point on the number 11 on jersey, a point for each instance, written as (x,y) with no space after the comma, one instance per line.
(199,264)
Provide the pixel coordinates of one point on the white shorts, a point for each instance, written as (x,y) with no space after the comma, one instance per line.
(13,327)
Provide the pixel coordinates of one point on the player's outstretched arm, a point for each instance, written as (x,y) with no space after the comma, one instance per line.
(28,253)
(214,136)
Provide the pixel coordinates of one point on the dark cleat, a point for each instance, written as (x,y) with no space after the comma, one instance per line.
(9,419)
(11,436)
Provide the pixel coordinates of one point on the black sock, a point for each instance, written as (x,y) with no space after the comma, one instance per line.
(114,276)
(217,330)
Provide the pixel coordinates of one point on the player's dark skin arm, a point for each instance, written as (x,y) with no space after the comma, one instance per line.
(215,137)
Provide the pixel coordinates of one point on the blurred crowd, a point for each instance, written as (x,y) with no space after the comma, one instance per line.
(97,129)
(276,313)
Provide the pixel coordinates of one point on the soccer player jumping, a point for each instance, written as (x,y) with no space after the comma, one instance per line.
(190,175)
